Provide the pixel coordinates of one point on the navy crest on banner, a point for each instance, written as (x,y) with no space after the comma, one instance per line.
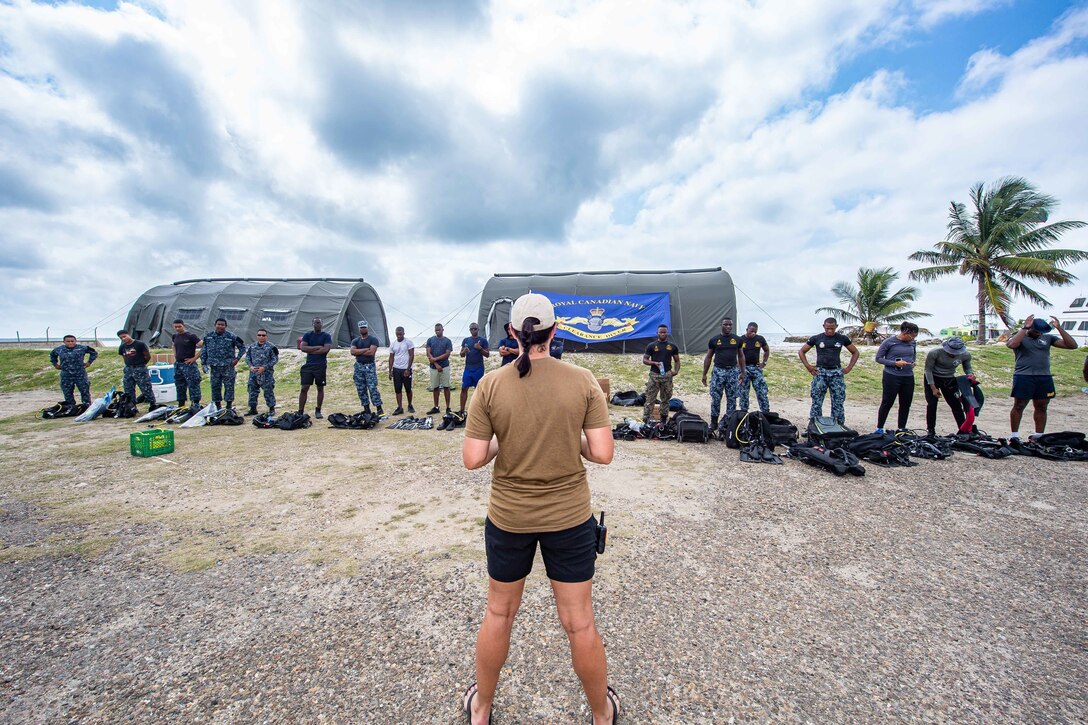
(607,318)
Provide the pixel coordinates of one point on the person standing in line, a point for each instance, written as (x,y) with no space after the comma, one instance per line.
(537,420)
(439,349)
(508,346)
(316,344)
(752,345)
(897,354)
(186,371)
(724,350)
(473,349)
(221,353)
(364,349)
(1031,378)
(402,355)
(136,356)
(262,357)
(663,359)
(829,373)
(69,358)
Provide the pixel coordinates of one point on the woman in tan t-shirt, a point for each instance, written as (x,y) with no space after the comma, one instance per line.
(537,419)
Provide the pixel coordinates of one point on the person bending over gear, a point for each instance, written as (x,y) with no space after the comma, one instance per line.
(262,357)
(828,373)
(940,380)
(1031,378)
(221,353)
(136,356)
(729,363)
(364,349)
(68,357)
(663,358)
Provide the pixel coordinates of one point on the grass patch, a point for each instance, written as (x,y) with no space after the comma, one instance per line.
(58,547)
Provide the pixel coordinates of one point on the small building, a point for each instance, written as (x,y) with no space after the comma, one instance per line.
(284,307)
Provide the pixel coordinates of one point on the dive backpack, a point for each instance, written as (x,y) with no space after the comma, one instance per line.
(825,432)
(690,428)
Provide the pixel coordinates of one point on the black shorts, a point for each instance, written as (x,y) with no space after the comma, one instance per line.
(569,555)
(313,374)
(1032,387)
(401,382)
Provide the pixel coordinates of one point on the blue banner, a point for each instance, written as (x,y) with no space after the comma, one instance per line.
(607,318)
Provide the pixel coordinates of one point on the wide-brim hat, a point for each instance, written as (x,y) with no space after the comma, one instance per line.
(955,346)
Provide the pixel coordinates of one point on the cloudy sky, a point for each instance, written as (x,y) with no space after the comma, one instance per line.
(427,145)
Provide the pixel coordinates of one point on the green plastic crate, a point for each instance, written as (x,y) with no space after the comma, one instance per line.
(149,443)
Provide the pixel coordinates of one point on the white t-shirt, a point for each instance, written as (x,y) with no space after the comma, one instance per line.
(400,353)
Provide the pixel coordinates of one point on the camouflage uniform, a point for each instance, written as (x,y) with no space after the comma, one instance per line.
(134,375)
(262,355)
(72,373)
(824,380)
(727,380)
(657,387)
(220,352)
(366,384)
(754,379)
(187,378)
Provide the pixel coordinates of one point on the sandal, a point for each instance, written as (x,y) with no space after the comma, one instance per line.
(614,699)
(467,707)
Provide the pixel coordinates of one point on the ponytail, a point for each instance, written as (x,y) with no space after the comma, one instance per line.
(528,338)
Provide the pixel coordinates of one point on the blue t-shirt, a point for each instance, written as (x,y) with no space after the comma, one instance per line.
(316,338)
(474,358)
(556,348)
(509,342)
(363,343)
(437,346)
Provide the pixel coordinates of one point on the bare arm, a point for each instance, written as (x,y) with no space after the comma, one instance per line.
(804,360)
(598,446)
(706,364)
(477,453)
(1067,342)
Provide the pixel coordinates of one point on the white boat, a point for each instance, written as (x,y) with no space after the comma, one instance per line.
(1074,318)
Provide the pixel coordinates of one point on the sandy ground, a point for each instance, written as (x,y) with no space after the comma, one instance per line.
(328,575)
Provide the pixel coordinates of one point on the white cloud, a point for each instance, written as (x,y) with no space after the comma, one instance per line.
(426,152)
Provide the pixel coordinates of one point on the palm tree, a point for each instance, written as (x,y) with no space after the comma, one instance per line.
(1003,242)
(872,304)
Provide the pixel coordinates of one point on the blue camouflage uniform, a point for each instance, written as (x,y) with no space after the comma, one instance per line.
(262,355)
(828,379)
(753,379)
(365,375)
(72,372)
(220,352)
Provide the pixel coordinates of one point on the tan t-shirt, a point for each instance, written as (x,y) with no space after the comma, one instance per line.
(538,482)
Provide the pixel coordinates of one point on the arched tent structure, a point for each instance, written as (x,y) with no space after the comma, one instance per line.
(698,300)
(284,307)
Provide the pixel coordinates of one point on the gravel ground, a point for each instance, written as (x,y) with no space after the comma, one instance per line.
(948,592)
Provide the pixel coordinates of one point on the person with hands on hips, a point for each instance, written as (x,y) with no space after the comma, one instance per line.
(828,375)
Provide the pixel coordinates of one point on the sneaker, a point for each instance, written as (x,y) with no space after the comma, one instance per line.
(251,411)
(449,412)
(879,431)
(411,409)
(380,411)
(432,411)
(271,412)
(317,413)
(398,411)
